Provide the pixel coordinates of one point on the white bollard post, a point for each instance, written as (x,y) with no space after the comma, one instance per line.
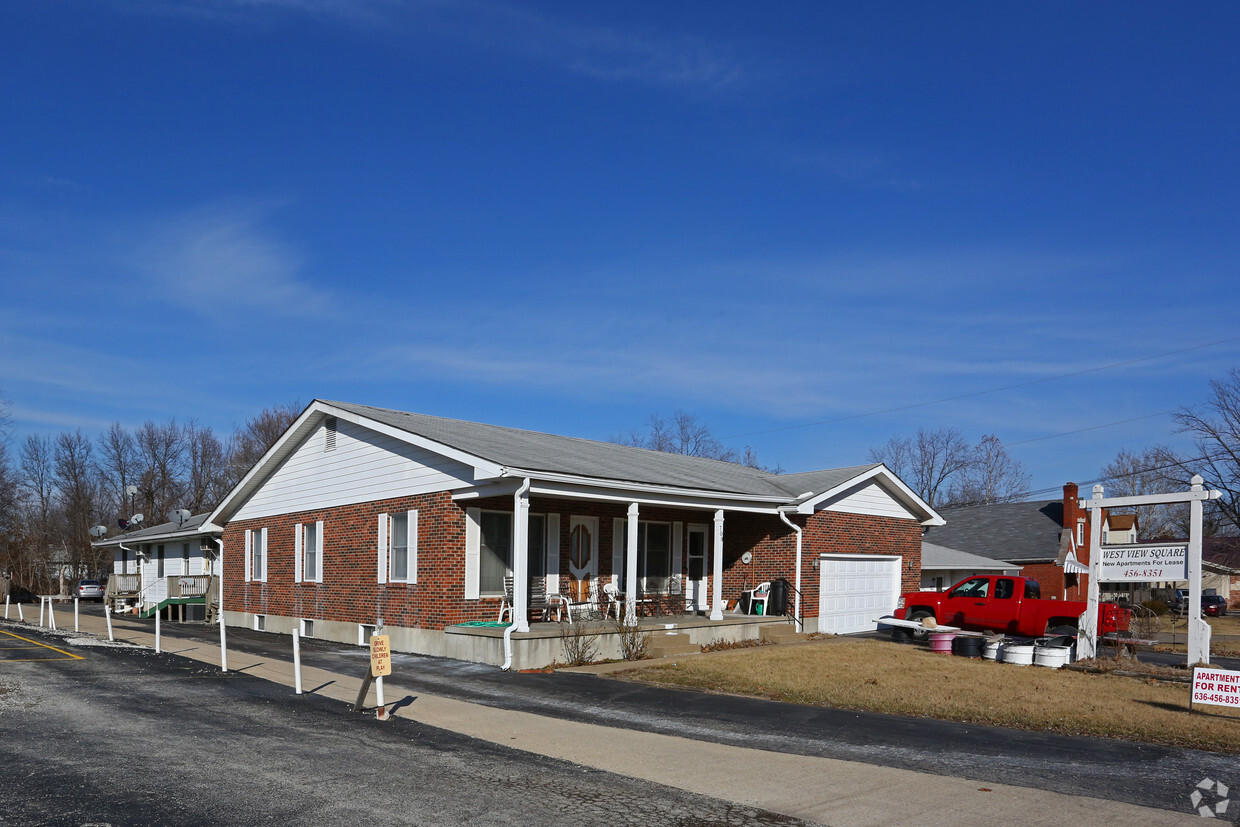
(107,615)
(223,645)
(6,607)
(20,614)
(51,615)
(297,661)
(75,615)
(158,612)
(380,706)
(42,603)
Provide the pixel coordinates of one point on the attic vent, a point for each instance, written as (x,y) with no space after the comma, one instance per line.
(329,434)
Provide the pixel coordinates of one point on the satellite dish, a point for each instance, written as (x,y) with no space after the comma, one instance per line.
(747,557)
(122,524)
(136,519)
(178,516)
(99,531)
(131,490)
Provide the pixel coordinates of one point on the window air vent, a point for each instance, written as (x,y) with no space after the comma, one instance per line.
(329,434)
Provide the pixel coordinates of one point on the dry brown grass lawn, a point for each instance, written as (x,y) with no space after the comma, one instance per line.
(877,676)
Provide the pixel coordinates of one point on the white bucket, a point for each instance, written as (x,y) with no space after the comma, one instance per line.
(1052,656)
(993,650)
(1021,654)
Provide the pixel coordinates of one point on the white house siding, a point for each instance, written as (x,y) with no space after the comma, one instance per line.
(868,498)
(364,466)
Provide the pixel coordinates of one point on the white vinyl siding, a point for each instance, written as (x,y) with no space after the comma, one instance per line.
(365,466)
(868,498)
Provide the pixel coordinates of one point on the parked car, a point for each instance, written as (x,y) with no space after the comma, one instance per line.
(1214,605)
(89,590)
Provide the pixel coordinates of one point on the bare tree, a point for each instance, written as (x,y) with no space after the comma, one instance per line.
(991,476)
(930,462)
(684,434)
(77,485)
(161,452)
(118,466)
(1153,471)
(41,514)
(207,468)
(249,443)
(1215,427)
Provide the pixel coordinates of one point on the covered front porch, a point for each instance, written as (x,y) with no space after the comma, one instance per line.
(550,643)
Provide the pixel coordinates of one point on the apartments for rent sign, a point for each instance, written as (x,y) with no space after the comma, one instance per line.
(1122,564)
(1216,686)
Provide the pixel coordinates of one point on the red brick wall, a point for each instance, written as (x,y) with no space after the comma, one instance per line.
(350,591)
(1052,578)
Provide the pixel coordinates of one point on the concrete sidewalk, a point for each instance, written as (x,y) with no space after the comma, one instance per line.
(825,790)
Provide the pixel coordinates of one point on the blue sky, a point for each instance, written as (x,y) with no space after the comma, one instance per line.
(800,221)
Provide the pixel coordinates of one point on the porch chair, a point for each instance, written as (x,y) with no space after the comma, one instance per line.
(537,599)
(611,592)
(587,607)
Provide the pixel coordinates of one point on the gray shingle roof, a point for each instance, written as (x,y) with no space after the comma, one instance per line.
(1017,532)
(939,557)
(534,451)
(158,532)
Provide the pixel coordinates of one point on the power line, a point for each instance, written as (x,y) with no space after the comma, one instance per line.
(984,392)
(1090,428)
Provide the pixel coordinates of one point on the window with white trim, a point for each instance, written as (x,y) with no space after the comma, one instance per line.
(403,547)
(495,557)
(1080,532)
(311,543)
(654,554)
(258,554)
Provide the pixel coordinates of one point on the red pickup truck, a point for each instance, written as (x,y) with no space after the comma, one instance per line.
(1004,604)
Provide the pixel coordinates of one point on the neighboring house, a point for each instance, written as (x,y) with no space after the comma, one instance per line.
(1223,555)
(944,567)
(361,516)
(168,566)
(1037,536)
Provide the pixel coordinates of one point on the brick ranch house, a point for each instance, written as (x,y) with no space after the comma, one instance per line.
(359,516)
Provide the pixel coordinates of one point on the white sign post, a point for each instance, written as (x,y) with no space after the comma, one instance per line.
(1198,629)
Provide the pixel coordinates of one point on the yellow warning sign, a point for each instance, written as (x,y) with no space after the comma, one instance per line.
(380,656)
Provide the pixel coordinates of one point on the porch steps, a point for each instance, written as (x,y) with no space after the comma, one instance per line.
(664,645)
(783,633)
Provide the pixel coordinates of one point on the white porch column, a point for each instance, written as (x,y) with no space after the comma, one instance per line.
(521,558)
(716,581)
(630,569)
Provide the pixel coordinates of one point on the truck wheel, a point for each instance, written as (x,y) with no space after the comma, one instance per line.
(1063,629)
(908,635)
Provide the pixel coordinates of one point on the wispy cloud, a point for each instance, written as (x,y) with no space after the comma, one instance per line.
(652,57)
(225,256)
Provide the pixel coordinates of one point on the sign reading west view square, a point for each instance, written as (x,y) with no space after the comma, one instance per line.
(1120,564)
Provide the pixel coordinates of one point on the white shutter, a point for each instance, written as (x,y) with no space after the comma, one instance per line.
(553,554)
(382,545)
(297,553)
(678,530)
(473,553)
(321,555)
(617,550)
(411,543)
(249,555)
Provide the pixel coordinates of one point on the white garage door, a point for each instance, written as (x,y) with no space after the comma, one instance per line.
(854,590)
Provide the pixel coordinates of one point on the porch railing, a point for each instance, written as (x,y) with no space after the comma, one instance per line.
(189,585)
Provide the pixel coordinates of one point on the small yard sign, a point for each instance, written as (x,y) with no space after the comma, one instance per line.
(380,656)
(1121,564)
(1217,687)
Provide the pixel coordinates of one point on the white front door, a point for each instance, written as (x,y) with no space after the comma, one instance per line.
(696,580)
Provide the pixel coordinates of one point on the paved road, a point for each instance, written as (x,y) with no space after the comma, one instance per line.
(1141,774)
(123,736)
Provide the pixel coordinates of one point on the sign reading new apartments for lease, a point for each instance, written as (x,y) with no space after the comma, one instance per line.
(1125,564)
